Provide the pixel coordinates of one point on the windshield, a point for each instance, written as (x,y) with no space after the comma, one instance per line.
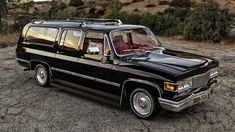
(129,41)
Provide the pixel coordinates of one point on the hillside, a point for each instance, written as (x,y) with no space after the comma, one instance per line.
(130,6)
(157,5)
(170,25)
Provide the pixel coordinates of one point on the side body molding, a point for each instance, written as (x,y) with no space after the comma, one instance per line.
(123,94)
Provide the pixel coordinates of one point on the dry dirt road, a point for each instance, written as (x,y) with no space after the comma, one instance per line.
(27,107)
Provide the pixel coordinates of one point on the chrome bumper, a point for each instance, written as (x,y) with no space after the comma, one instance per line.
(193,99)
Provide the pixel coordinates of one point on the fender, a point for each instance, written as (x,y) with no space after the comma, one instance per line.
(123,94)
(49,67)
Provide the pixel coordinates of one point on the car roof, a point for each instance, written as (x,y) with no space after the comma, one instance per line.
(94,25)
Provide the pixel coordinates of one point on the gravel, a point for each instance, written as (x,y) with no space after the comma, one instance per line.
(25,106)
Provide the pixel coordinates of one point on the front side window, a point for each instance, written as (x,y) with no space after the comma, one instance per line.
(41,35)
(70,39)
(94,45)
(128,41)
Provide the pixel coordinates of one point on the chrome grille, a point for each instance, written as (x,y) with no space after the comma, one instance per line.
(201,80)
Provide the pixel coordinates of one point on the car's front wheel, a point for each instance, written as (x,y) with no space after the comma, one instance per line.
(142,102)
(42,75)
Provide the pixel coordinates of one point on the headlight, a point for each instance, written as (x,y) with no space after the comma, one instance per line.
(214,72)
(180,86)
(186,84)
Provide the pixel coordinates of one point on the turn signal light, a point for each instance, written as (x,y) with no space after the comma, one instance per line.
(169,87)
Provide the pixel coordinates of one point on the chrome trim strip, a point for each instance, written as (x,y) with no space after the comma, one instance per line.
(39,52)
(50,54)
(95,63)
(65,57)
(23,60)
(86,77)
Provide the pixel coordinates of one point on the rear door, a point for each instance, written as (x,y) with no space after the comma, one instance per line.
(67,54)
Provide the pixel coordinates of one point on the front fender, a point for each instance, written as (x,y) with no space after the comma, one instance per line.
(140,81)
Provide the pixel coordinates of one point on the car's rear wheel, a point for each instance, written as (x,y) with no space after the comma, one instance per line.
(42,75)
(142,102)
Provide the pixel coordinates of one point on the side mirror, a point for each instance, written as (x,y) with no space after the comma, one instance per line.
(108,58)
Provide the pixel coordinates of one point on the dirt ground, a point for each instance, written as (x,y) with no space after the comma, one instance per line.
(25,106)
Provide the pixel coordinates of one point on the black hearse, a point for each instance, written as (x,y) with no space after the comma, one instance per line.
(123,63)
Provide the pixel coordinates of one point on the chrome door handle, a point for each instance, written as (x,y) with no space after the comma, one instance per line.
(59,52)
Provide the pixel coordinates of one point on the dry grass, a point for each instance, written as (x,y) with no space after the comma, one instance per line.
(9,39)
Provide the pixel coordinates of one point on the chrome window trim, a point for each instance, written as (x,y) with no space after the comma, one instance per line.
(58,32)
(66,30)
(111,38)
(85,33)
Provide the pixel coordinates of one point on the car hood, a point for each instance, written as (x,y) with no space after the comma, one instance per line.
(168,62)
(176,60)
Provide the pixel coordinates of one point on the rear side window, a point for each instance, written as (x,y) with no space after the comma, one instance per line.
(41,35)
(70,39)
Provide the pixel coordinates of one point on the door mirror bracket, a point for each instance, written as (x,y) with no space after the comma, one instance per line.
(107,58)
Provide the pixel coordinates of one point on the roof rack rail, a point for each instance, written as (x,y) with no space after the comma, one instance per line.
(84,21)
(37,21)
(95,20)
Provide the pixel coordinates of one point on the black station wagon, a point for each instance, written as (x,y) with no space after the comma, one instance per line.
(123,64)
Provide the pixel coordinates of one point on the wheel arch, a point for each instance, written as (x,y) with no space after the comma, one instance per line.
(34,63)
(134,83)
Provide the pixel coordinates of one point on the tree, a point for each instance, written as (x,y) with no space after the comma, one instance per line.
(208,22)
(3,10)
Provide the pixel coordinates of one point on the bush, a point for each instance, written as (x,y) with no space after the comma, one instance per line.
(181,3)
(110,14)
(67,13)
(114,5)
(165,24)
(75,3)
(208,22)
(123,16)
(22,21)
(181,13)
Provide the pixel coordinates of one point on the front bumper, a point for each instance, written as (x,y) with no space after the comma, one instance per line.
(193,99)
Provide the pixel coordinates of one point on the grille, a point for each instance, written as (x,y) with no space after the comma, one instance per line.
(201,80)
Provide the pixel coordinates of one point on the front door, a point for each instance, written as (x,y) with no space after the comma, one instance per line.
(98,71)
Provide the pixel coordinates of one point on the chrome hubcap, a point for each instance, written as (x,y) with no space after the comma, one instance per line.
(41,75)
(142,103)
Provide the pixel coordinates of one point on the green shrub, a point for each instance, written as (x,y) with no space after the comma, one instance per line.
(181,13)
(165,24)
(123,16)
(110,14)
(75,3)
(208,22)
(67,13)
(181,3)
(114,5)
(22,21)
